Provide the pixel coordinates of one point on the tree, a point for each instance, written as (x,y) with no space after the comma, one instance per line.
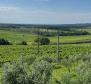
(42,41)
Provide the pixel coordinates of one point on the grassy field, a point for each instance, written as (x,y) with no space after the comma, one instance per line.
(16,37)
(68,39)
(13,52)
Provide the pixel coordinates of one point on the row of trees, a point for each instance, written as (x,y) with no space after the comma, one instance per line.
(62,32)
(6,42)
(42,41)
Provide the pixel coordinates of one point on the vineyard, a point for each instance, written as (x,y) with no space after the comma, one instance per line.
(12,53)
(72,56)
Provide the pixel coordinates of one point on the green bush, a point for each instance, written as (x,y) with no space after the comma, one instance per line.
(42,72)
(42,41)
(15,74)
(81,74)
(21,73)
(4,42)
(23,43)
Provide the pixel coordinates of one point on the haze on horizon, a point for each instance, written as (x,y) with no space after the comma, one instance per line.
(45,11)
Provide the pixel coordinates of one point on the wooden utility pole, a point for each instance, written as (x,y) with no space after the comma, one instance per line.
(38,40)
(58,44)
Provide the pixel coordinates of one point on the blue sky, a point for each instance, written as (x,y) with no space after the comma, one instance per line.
(45,11)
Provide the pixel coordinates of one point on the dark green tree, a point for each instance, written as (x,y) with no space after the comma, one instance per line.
(4,42)
(43,41)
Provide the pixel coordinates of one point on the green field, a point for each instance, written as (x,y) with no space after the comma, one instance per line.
(10,53)
(16,37)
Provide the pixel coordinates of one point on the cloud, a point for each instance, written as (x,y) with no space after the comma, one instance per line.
(19,15)
(5,8)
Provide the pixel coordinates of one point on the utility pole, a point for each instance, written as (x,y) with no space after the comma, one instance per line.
(38,40)
(58,44)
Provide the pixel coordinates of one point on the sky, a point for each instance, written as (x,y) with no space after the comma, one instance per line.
(45,11)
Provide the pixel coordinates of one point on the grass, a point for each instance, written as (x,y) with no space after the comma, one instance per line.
(57,73)
(86,29)
(1,72)
(65,39)
(14,52)
(16,37)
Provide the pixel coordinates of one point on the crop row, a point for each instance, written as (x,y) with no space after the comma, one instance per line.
(13,52)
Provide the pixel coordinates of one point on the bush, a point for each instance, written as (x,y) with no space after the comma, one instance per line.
(21,73)
(15,74)
(80,75)
(42,72)
(23,43)
(43,41)
(4,42)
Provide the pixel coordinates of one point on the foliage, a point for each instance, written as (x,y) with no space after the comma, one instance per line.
(23,43)
(4,42)
(73,33)
(15,74)
(42,72)
(42,41)
(81,74)
(13,52)
(21,73)
(74,67)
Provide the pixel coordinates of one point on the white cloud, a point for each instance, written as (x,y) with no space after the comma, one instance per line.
(5,8)
(19,15)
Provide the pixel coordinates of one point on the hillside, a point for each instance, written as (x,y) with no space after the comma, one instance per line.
(78,47)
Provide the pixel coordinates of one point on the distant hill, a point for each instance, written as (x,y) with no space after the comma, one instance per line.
(65,29)
(85,25)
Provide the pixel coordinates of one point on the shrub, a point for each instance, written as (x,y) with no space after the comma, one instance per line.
(23,43)
(15,74)
(81,74)
(20,73)
(42,72)
(43,41)
(4,42)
